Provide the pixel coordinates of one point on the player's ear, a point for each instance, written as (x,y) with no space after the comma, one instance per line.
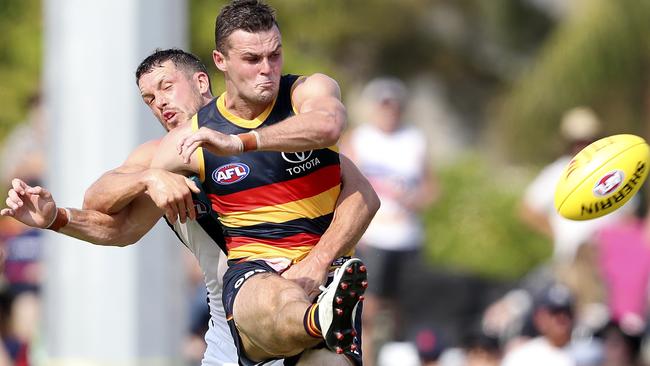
(203,81)
(219,60)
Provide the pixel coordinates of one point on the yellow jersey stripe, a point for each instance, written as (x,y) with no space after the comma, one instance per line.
(259,251)
(241,122)
(198,153)
(311,208)
(293,86)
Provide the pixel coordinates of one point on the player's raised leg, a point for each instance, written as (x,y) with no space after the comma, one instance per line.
(274,316)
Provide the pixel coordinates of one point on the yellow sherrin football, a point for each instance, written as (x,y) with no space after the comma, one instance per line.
(602,177)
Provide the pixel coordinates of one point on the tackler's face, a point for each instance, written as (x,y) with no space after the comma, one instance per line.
(253,64)
(173,95)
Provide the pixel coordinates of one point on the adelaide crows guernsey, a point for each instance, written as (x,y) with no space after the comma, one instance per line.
(271,205)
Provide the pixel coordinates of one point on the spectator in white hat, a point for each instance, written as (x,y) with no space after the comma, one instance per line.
(579,127)
(393,156)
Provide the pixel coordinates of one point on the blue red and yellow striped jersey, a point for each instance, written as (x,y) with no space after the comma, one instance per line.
(270,204)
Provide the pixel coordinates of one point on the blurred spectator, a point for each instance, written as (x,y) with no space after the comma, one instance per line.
(19,296)
(393,156)
(22,156)
(510,318)
(553,319)
(572,263)
(579,127)
(398,353)
(13,351)
(621,347)
(23,249)
(624,264)
(585,280)
(429,347)
(23,152)
(482,350)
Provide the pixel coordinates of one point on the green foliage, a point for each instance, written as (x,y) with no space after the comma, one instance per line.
(474,226)
(20,59)
(512,25)
(202,16)
(597,58)
(349,40)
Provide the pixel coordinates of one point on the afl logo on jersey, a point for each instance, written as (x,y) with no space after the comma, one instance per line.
(230,173)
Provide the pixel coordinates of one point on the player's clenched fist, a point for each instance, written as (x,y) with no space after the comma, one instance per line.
(216,142)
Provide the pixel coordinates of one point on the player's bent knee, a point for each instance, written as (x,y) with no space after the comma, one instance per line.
(323,357)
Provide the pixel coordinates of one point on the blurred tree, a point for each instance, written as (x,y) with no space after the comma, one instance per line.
(357,40)
(20,59)
(473,227)
(598,57)
(343,38)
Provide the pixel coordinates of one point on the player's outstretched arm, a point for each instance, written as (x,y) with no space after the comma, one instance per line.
(318,124)
(355,208)
(116,189)
(35,207)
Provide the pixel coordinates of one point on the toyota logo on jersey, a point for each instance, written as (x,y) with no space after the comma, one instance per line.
(297,157)
(608,183)
(230,173)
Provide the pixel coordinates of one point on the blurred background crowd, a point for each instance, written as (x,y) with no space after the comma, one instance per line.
(462,115)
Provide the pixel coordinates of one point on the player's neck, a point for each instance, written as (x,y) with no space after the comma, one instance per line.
(243,108)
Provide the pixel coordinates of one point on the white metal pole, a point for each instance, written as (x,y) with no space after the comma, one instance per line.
(106,306)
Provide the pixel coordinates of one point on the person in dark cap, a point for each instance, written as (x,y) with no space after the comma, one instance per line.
(553,315)
(553,319)
(430,347)
(481,349)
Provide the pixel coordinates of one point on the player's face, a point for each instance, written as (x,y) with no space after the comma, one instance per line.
(253,64)
(172,95)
